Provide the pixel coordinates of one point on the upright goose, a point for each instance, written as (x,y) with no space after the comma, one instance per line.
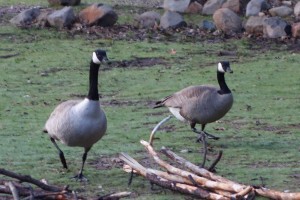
(80,123)
(201,104)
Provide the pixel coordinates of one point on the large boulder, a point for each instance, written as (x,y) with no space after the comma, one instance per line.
(176,5)
(171,20)
(98,14)
(255,6)
(233,5)
(275,27)
(227,21)
(211,6)
(297,9)
(64,2)
(148,19)
(62,18)
(296,30)
(281,11)
(26,17)
(255,25)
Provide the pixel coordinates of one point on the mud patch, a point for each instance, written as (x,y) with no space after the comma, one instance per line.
(137,62)
(269,164)
(281,130)
(105,162)
(120,103)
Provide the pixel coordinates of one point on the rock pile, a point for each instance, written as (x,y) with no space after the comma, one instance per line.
(271,19)
(95,14)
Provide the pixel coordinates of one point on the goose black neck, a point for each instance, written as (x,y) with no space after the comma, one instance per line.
(93,78)
(223,86)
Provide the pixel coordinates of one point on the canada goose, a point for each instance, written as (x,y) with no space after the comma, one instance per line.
(201,104)
(80,123)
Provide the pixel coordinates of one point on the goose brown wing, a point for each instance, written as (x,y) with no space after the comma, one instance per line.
(186,96)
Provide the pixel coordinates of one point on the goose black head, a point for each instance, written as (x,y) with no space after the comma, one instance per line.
(99,56)
(224,66)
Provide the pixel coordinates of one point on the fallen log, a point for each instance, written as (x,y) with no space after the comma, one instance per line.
(29,179)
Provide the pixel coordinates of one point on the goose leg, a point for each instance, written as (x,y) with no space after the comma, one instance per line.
(60,153)
(80,176)
(201,137)
(209,136)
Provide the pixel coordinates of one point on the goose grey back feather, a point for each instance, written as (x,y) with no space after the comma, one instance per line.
(77,123)
(199,104)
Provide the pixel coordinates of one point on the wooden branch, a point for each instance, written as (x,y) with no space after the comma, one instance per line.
(200,180)
(272,194)
(185,189)
(241,194)
(156,128)
(197,170)
(115,196)
(29,179)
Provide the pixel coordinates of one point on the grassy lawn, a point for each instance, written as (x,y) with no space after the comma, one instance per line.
(262,130)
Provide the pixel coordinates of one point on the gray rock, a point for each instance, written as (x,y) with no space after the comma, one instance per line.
(41,20)
(148,19)
(171,20)
(281,11)
(26,17)
(255,6)
(227,21)
(98,14)
(211,6)
(274,27)
(64,2)
(208,26)
(254,25)
(176,5)
(194,8)
(62,18)
(297,9)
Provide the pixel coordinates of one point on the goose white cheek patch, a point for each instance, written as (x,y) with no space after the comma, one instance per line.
(95,59)
(220,68)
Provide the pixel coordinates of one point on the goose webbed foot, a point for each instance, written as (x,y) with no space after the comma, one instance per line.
(209,136)
(80,177)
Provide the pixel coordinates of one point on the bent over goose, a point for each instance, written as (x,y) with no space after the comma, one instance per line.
(80,123)
(201,104)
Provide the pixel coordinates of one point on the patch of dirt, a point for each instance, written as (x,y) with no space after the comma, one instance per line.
(277,129)
(269,164)
(137,62)
(105,162)
(119,102)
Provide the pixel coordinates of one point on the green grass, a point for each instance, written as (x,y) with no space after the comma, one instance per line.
(259,143)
